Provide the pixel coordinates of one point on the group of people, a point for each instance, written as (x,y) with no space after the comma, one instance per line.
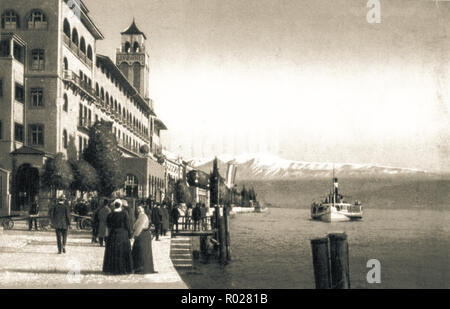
(120,257)
(196,216)
(125,233)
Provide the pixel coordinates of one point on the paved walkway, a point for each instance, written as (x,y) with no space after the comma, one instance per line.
(30,260)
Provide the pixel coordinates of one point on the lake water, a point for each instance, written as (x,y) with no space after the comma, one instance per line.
(272,250)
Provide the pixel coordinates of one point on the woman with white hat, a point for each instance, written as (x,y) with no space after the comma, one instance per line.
(118,259)
(142,247)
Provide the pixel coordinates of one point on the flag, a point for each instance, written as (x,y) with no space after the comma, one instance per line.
(231,175)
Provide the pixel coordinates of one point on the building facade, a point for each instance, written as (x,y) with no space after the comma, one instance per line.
(54,86)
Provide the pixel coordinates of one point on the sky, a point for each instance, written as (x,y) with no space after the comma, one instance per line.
(307,80)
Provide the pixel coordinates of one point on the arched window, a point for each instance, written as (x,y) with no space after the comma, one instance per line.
(102,94)
(65,139)
(127,47)
(97,90)
(66,64)
(124,68)
(83,45)
(137,75)
(115,105)
(75,36)
(136,47)
(89,52)
(66,28)
(10,20)
(107,98)
(66,103)
(37,20)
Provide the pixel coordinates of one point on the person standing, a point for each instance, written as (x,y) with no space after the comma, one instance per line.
(117,259)
(188,216)
(142,248)
(165,219)
(102,217)
(196,216)
(34,213)
(60,216)
(156,220)
(203,213)
(175,217)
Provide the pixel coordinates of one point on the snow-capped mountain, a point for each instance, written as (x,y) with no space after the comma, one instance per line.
(267,167)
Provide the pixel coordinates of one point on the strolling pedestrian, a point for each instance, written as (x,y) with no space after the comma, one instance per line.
(165,219)
(142,248)
(33,213)
(102,227)
(117,259)
(156,220)
(60,216)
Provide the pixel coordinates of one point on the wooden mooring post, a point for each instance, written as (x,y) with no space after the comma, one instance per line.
(227,233)
(340,269)
(321,263)
(331,261)
(222,237)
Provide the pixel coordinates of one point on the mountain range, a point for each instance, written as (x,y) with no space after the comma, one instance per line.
(270,167)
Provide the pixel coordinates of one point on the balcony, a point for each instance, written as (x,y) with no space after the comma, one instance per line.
(77,51)
(79,86)
(128,148)
(84,124)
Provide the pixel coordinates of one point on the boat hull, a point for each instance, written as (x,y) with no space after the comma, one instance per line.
(329,213)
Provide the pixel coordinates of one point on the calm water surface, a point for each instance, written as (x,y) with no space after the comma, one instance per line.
(272,250)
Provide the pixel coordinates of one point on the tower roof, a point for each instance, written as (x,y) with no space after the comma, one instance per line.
(133,30)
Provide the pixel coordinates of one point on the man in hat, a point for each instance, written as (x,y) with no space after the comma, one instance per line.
(60,216)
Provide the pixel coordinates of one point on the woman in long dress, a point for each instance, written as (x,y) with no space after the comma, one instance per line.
(118,259)
(142,248)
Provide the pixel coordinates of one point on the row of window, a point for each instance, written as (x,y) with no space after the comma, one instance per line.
(35,134)
(72,34)
(110,101)
(36,19)
(36,95)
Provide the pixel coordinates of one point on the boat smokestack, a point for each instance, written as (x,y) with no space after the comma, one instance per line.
(336,187)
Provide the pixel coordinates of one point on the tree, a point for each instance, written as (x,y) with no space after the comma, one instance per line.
(85,177)
(182,193)
(104,156)
(245,197)
(57,174)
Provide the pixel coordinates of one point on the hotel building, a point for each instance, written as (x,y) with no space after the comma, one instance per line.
(54,86)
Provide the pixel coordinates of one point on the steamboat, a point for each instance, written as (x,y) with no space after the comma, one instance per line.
(335,209)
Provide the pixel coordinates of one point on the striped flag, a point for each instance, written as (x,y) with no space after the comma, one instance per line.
(231,175)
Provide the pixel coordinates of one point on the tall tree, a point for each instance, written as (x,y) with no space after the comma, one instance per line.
(57,174)
(104,156)
(85,176)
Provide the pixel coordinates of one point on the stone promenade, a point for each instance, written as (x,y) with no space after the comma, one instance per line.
(30,260)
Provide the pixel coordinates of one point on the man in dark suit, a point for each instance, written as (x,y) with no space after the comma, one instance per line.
(60,216)
(156,220)
(33,212)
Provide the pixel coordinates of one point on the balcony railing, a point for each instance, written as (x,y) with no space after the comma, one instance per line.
(128,147)
(76,50)
(84,124)
(79,83)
